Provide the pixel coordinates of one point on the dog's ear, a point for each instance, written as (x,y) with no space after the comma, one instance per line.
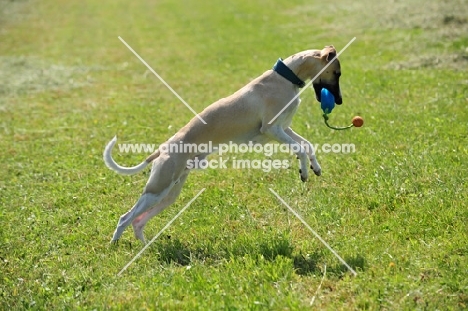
(328,53)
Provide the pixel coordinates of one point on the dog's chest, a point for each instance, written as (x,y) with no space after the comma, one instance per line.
(285,118)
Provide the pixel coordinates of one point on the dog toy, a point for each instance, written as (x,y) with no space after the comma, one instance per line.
(358,121)
(327,103)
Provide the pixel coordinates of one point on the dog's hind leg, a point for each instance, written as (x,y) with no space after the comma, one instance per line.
(140,222)
(164,175)
(146,201)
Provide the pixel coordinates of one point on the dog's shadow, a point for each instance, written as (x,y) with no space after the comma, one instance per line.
(312,264)
(173,251)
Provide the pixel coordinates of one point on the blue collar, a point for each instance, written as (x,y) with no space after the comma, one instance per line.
(287,73)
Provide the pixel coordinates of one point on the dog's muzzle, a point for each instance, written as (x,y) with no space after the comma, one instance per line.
(334,89)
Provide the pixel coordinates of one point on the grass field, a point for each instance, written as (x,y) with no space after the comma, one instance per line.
(395,209)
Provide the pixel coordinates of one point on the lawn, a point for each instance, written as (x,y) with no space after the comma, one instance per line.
(395,209)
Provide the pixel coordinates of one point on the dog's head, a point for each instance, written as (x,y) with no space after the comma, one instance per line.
(330,77)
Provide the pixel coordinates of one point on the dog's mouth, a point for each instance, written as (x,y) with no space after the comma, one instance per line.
(334,89)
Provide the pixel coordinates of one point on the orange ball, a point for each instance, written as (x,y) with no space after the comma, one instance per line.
(358,121)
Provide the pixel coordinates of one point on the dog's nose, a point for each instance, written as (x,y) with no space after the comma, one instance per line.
(339,101)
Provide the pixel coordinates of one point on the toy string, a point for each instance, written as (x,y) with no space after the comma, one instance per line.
(325,118)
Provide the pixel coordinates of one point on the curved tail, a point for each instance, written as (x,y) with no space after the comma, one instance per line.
(110,163)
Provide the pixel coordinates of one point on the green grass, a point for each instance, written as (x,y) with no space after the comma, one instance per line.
(395,210)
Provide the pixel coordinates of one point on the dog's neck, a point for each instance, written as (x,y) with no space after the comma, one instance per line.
(287,73)
(303,64)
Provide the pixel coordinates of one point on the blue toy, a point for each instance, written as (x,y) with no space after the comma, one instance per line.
(327,103)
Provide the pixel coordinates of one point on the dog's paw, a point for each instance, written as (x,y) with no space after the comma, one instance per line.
(317,172)
(114,242)
(304,177)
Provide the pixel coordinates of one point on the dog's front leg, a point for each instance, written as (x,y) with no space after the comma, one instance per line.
(277,133)
(314,165)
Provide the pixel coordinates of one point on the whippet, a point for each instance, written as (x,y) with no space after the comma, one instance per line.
(243,117)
